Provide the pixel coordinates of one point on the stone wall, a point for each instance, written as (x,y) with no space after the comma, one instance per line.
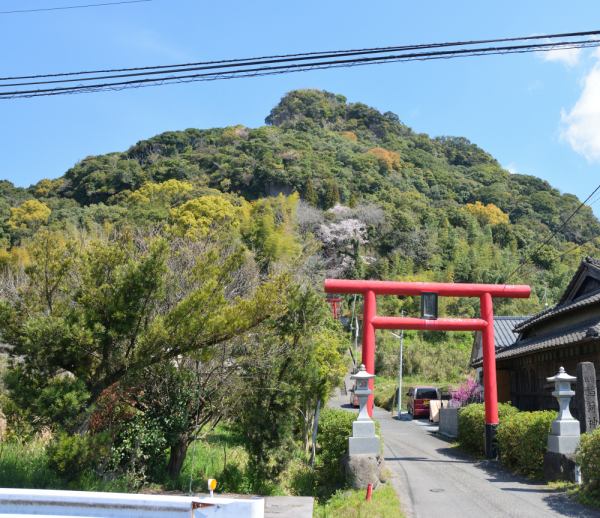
(449,422)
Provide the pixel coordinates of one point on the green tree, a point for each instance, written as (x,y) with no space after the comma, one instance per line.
(125,303)
(293,363)
(30,215)
(331,195)
(310,195)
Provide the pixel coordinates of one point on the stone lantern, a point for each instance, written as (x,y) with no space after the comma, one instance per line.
(363,464)
(363,440)
(563,440)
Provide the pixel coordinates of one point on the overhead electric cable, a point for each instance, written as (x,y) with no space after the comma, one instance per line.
(287,68)
(572,249)
(538,47)
(315,55)
(66,7)
(567,252)
(553,234)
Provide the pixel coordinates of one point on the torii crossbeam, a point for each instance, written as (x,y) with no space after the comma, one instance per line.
(371,322)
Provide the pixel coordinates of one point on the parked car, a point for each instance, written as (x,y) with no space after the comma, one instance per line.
(418,400)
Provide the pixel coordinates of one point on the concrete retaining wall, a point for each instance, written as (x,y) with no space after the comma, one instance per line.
(449,422)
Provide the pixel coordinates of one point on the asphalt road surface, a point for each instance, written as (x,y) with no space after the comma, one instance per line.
(435,480)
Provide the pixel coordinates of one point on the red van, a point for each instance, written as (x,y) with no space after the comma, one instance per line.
(418,400)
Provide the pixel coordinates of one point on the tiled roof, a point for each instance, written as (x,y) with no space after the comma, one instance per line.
(504,334)
(593,261)
(557,310)
(588,331)
(586,263)
(563,304)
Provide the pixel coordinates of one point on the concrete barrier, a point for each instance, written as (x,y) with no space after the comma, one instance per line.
(37,502)
(449,422)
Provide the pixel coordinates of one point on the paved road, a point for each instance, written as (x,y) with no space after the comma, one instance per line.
(289,507)
(435,480)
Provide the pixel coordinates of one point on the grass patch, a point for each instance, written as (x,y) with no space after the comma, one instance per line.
(352,504)
(219,455)
(26,465)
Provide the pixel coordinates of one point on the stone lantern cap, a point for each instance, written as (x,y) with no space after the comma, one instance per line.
(362,374)
(562,376)
(562,384)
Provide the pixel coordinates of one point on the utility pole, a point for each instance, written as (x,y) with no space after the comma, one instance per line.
(401,337)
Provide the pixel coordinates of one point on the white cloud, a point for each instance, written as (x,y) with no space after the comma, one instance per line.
(512,168)
(568,57)
(582,122)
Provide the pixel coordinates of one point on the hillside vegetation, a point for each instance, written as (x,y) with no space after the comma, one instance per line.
(152,295)
(439,208)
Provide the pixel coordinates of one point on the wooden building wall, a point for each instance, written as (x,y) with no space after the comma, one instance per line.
(527,385)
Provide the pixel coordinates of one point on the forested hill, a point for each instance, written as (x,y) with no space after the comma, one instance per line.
(381,199)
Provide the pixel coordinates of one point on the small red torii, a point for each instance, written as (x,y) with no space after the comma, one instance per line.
(371,322)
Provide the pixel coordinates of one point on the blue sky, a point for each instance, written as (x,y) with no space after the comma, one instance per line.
(536,115)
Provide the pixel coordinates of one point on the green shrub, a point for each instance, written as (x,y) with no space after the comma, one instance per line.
(471,425)
(588,457)
(139,449)
(522,439)
(335,426)
(70,456)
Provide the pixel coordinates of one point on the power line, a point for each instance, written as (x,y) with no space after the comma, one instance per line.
(572,249)
(225,72)
(65,7)
(553,234)
(567,252)
(315,55)
(184,68)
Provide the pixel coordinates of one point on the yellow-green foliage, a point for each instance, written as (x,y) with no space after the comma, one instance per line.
(169,193)
(45,187)
(29,215)
(522,439)
(331,365)
(588,458)
(205,216)
(269,228)
(487,214)
(14,257)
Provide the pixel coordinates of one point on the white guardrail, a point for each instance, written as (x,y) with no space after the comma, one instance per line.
(23,503)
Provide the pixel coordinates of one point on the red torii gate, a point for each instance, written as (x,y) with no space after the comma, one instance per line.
(371,322)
